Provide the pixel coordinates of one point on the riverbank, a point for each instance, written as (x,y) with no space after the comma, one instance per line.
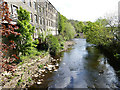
(24,74)
(83,66)
(67,45)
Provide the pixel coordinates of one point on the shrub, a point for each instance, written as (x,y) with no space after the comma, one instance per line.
(61,41)
(53,44)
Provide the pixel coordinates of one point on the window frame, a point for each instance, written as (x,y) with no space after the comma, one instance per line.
(29,3)
(31,16)
(13,12)
(34,5)
(39,20)
(36,21)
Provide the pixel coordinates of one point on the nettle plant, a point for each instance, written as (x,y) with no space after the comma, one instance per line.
(8,46)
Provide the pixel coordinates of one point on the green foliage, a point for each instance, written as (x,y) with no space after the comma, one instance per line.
(53,44)
(19,82)
(101,22)
(104,34)
(79,27)
(73,22)
(29,79)
(61,23)
(98,34)
(117,56)
(21,63)
(24,41)
(61,41)
(33,54)
(69,31)
(40,66)
(42,36)
(65,28)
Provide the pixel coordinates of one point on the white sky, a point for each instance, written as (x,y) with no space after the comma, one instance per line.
(85,10)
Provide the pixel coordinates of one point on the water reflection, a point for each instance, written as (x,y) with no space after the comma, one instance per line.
(83,67)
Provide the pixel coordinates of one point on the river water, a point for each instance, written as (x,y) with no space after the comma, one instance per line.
(82,67)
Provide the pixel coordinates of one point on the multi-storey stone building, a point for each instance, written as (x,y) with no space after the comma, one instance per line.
(43,14)
(119,12)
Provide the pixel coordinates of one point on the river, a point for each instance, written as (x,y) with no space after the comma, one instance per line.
(82,67)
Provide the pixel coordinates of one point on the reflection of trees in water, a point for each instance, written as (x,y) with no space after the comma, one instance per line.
(92,58)
(80,68)
(93,65)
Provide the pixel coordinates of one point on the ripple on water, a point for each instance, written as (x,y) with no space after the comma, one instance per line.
(80,68)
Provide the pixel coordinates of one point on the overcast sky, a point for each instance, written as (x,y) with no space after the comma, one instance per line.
(85,10)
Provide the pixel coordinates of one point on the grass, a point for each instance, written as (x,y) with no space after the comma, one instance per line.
(32,56)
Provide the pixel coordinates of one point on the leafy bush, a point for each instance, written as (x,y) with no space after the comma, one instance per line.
(61,41)
(117,56)
(53,44)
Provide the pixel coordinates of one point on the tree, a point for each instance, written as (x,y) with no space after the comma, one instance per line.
(98,34)
(69,31)
(79,27)
(25,41)
(61,22)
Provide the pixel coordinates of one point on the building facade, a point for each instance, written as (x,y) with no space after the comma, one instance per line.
(42,13)
(119,11)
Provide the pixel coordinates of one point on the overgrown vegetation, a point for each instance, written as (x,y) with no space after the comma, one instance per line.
(105,34)
(25,43)
(65,28)
(79,27)
(53,44)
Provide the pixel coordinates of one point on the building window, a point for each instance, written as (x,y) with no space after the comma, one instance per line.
(31,17)
(34,5)
(39,20)
(29,3)
(49,22)
(14,9)
(39,8)
(46,4)
(23,1)
(43,10)
(35,18)
(52,23)
(43,21)
(46,13)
